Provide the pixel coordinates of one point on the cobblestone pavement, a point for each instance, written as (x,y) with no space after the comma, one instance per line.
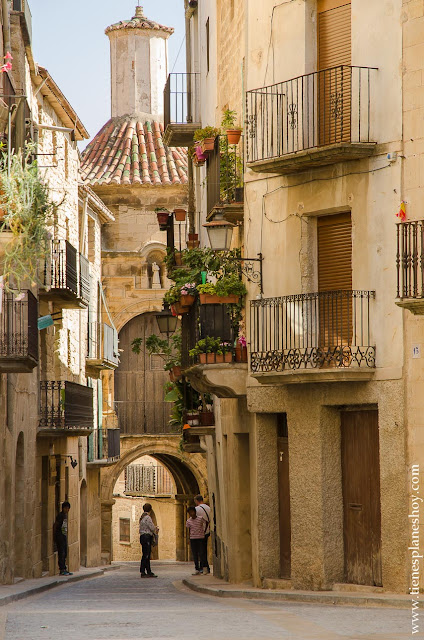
(121,606)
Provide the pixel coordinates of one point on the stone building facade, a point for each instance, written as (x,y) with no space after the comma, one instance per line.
(328,412)
(51,415)
(130,168)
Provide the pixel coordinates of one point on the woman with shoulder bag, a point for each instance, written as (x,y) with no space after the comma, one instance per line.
(148,538)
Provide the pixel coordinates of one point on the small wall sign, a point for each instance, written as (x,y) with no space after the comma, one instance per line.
(416,351)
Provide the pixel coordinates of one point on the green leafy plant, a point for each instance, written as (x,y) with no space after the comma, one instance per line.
(206,132)
(230,285)
(208,288)
(28,211)
(207,345)
(169,351)
(229,118)
(173,294)
(156,209)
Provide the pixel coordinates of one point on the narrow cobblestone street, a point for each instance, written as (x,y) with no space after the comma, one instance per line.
(121,606)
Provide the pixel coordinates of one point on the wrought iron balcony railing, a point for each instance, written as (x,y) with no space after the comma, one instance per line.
(66,407)
(202,321)
(102,352)
(410,260)
(181,108)
(66,274)
(18,332)
(312,331)
(104,446)
(225,174)
(315,110)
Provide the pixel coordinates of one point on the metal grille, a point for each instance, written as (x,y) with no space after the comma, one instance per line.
(311,331)
(101,344)
(66,405)
(84,279)
(181,98)
(18,325)
(321,108)
(104,444)
(225,174)
(61,273)
(144,479)
(410,259)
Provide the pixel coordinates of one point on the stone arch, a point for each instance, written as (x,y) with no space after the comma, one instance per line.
(188,472)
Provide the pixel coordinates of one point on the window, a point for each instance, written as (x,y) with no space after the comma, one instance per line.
(124,530)
(156,362)
(207,46)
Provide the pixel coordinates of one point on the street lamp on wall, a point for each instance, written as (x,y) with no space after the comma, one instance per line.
(167,323)
(220,232)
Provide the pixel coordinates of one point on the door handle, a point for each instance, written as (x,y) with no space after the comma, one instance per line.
(354,506)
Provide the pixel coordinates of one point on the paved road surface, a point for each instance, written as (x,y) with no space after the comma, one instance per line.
(121,606)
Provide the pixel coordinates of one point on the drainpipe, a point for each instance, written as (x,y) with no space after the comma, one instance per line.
(191,199)
(6,26)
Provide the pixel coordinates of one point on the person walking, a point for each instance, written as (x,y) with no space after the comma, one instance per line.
(197,526)
(204,511)
(60,534)
(148,532)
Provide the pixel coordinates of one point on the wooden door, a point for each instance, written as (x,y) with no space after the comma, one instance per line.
(334,73)
(139,382)
(335,275)
(284,497)
(361,497)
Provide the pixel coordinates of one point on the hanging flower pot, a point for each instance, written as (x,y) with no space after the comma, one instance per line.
(240,353)
(178,309)
(207,145)
(207,298)
(207,418)
(180,215)
(193,244)
(197,162)
(162,216)
(233,136)
(178,258)
(199,153)
(175,373)
(186,301)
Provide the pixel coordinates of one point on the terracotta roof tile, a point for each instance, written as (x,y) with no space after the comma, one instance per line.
(129,151)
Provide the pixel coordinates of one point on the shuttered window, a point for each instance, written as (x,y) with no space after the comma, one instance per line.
(124,530)
(335,274)
(335,252)
(334,56)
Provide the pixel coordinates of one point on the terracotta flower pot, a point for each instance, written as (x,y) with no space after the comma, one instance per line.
(178,309)
(207,298)
(233,136)
(178,258)
(175,374)
(207,418)
(186,301)
(193,244)
(180,215)
(199,153)
(207,145)
(202,358)
(162,218)
(193,236)
(241,353)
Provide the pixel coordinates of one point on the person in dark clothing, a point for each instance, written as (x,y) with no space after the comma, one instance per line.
(60,532)
(148,532)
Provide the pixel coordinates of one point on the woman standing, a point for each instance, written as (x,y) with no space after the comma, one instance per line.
(147,532)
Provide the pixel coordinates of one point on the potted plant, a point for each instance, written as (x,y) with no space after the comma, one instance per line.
(229,124)
(206,415)
(241,349)
(168,350)
(180,215)
(163,217)
(227,290)
(173,298)
(206,138)
(211,350)
(188,293)
(199,155)
(193,241)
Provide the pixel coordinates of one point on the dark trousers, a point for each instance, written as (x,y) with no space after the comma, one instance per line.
(198,551)
(62,550)
(146,546)
(205,551)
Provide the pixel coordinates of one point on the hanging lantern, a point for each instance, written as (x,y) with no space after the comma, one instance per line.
(220,232)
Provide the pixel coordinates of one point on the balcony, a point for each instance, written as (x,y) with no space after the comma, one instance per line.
(143,480)
(225,187)
(310,121)
(66,409)
(410,266)
(102,345)
(104,447)
(210,372)
(312,337)
(18,332)
(181,109)
(66,276)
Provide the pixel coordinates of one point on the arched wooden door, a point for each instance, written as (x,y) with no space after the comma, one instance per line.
(139,382)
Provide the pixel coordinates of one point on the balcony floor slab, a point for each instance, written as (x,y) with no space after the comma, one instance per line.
(10,364)
(180,135)
(305,376)
(313,158)
(226,380)
(415,305)
(63,432)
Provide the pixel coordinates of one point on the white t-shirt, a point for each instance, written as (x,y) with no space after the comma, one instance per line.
(204,511)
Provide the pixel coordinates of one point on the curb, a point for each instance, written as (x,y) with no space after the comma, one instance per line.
(55,582)
(309,598)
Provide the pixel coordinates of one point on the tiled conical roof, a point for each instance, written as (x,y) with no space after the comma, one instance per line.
(129,151)
(139,21)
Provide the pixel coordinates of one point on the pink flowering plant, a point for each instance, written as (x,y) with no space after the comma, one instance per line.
(242,340)
(188,289)
(7,65)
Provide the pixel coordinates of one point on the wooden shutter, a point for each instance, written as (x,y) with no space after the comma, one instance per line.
(335,274)
(335,252)
(334,60)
